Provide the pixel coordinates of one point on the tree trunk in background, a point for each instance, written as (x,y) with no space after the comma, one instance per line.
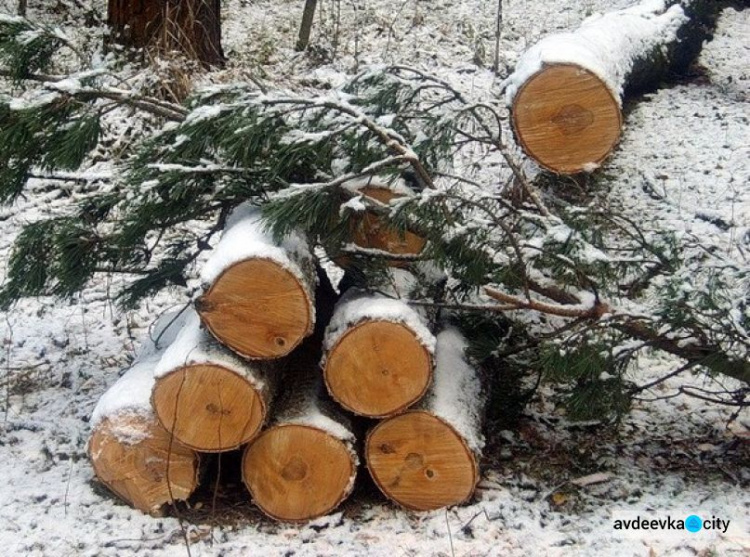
(22,7)
(306,26)
(192,27)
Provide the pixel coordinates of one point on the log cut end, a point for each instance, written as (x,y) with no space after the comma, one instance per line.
(566,119)
(378,368)
(369,231)
(208,407)
(148,470)
(257,308)
(297,472)
(420,462)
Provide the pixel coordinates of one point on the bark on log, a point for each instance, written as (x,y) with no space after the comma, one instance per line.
(378,355)
(129,450)
(304,465)
(428,458)
(192,27)
(207,397)
(259,294)
(567,91)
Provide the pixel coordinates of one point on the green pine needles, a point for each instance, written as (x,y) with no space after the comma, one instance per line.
(575,292)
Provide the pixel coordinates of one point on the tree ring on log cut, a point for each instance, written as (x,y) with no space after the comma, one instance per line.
(148,473)
(378,368)
(208,408)
(257,308)
(298,472)
(421,462)
(566,118)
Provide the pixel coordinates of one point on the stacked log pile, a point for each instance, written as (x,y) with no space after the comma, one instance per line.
(272,359)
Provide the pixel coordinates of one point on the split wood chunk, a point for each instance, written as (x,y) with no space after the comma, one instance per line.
(259,294)
(370,232)
(427,458)
(378,355)
(304,465)
(567,91)
(207,397)
(130,452)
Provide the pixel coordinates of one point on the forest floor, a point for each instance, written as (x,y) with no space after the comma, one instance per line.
(684,161)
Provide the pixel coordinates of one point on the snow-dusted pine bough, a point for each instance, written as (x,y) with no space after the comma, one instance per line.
(562,288)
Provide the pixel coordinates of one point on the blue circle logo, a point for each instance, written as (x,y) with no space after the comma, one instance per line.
(693,523)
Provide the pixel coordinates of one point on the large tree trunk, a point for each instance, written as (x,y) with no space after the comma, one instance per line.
(192,27)
(259,294)
(428,457)
(132,454)
(567,91)
(207,397)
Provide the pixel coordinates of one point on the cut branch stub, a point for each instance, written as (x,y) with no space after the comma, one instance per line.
(297,472)
(148,472)
(427,458)
(379,359)
(566,118)
(209,399)
(259,293)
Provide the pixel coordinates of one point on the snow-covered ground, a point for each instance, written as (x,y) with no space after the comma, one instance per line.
(689,143)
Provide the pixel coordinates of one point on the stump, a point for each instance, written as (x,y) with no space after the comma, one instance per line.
(566,92)
(208,398)
(258,294)
(427,458)
(130,452)
(378,358)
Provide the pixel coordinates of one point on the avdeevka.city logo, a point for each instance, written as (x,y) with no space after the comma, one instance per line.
(692,523)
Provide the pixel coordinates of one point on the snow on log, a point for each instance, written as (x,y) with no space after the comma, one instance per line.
(367,230)
(427,458)
(259,294)
(304,465)
(210,399)
(129,450)
(378,355)
(566,92)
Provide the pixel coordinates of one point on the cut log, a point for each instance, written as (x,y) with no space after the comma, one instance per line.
(368,231)
(378,355)
(207,397)
(258,294)
(304,465)
(566,92)
(427,458)
(130,452)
